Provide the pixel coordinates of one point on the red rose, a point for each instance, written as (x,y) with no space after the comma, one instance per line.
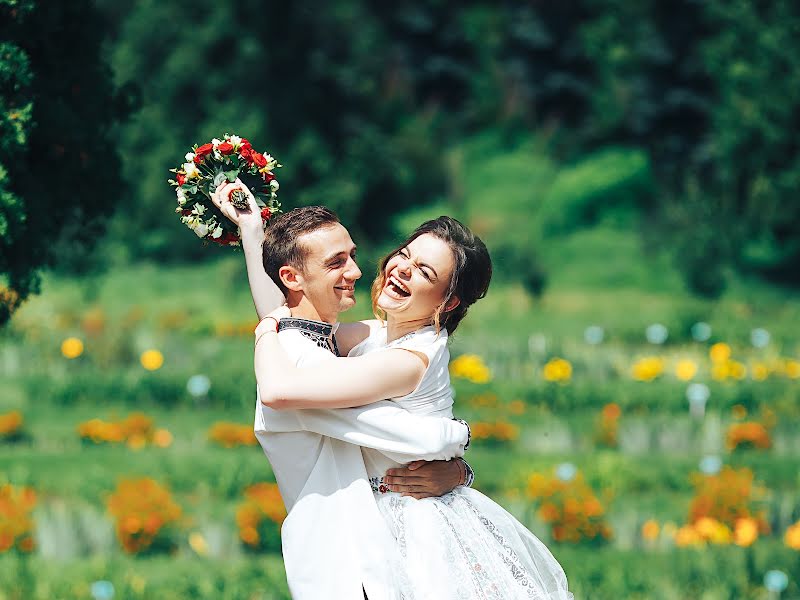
(225,148)
(247,154)
(267,177)
(265,214)
(202,152)
(245,145)
(186,212)
(259,159)
(181,178)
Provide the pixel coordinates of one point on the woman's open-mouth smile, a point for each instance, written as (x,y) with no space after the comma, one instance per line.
(396,289)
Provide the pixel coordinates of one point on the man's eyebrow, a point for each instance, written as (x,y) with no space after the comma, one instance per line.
(334,256)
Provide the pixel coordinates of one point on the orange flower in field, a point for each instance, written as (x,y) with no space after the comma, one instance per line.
(792,536)
(229,435)
(746,532)
(259,517)
(16,523)
(570,507)
(749,434)
(650,530)
(612,411)
(145,515)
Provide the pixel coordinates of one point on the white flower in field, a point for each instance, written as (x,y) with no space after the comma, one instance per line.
(215,142)
(274,185)
(217,232)
(190,157)
(235,140)
(201,230)
(191,170)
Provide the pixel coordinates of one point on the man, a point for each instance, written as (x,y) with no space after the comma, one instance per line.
(334,540)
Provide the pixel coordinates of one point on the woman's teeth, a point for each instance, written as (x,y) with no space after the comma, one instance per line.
(398,288)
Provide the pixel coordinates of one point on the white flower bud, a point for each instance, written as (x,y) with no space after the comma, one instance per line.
(191,170)
(215,142)
(189,156)
(274,185)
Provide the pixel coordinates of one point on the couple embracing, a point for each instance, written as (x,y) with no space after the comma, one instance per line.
(356,418)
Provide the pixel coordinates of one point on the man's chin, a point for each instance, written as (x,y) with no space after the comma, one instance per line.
(347,303)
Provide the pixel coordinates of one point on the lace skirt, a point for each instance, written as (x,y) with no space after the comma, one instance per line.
(465,546)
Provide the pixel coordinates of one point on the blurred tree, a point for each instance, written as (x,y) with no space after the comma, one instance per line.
(59,171)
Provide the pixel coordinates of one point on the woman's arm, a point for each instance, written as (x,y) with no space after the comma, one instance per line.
(336,383)
(266,295)
(349,335)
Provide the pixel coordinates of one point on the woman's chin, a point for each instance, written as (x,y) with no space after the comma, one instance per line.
(388,304)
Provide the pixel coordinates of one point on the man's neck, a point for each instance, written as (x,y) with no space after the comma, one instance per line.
(303,309)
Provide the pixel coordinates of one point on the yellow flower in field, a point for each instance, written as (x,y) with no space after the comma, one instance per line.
(739,411)
(137,442)
(719,352)
(72,347)
(471,367)
(647,369)
(152,360)
(736,370)
(536,485)
(746,532)
(557,370)
(162,438)
(713,530)
(792,368)
(650,530)
(792,536)
(198,543)
(760,371)
(688,536)
(685,369)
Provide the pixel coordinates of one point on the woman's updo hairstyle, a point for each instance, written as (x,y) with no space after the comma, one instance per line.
(471,274)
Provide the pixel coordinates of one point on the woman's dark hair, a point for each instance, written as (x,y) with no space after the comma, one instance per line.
(471,274)
(281,246)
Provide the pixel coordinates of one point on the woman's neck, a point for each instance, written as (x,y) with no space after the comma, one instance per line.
(397,329)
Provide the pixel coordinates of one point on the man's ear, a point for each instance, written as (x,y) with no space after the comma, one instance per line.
(452,303)
(291,278)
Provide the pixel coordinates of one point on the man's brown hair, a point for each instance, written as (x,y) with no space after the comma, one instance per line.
(281,246)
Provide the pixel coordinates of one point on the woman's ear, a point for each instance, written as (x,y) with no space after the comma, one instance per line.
(452,303)
(291,278)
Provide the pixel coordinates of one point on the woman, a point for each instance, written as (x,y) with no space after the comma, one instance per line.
(462,544)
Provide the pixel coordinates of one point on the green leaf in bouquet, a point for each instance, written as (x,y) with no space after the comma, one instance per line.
(219,178)
(232,174)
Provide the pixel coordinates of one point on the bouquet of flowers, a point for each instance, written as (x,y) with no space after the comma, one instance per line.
(211,165)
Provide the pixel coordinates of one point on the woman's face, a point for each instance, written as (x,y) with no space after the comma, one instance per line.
(416,279)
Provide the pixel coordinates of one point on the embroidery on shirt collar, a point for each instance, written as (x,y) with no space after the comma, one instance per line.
(319,332)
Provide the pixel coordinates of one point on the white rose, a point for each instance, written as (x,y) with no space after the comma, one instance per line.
(189,156)
(201,230)
(217,232)
(191,170)
(274,185)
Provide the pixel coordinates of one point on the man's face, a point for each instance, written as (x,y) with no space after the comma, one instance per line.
(330,271)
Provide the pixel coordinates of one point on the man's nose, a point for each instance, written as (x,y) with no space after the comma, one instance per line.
(352,271)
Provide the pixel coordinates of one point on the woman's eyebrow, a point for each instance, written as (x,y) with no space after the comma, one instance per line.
(426,265)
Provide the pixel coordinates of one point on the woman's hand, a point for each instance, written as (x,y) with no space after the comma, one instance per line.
(249,220)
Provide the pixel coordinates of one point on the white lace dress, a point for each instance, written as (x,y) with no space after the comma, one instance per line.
(462,545)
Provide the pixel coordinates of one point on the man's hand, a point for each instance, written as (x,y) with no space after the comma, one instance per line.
(249,221)
(423,479)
